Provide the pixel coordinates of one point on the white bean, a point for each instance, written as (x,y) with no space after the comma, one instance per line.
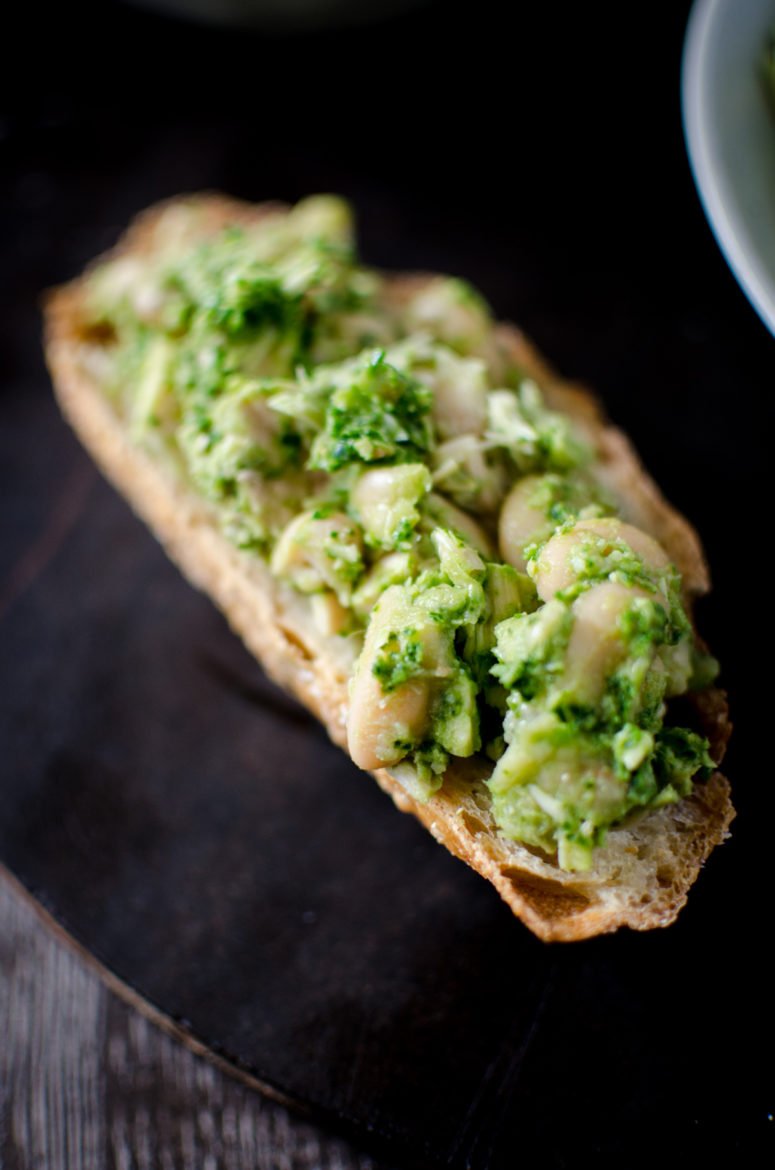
(522,520)
(386,497)
(596,646)
(459,396)
(453,313)
(555,570)
(380,723)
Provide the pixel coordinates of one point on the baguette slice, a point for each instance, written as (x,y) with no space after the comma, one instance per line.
(642,875)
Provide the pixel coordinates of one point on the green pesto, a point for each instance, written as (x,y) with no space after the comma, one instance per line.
(530,649)
(537,439)
(454,715)
(400,659)
(563,499)
(379,415)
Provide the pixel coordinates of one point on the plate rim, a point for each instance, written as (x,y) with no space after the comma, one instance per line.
(751,275)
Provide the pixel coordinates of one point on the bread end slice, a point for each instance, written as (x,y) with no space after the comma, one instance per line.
(642,876)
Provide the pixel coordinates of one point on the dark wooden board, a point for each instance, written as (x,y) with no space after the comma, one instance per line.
(187,823)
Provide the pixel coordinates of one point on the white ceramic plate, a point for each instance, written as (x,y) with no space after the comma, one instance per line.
(730,135)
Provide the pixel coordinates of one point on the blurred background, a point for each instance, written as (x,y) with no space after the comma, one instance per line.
(534,149)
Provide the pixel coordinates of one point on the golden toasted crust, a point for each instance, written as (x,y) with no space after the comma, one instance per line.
(642,875)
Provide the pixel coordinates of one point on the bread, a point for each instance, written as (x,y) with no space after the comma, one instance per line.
(641,876)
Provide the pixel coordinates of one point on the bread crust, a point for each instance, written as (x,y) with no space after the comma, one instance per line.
(642,875)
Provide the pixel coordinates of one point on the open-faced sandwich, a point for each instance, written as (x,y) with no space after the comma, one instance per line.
(438,545)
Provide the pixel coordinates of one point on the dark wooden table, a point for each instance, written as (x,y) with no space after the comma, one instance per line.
(86,1081)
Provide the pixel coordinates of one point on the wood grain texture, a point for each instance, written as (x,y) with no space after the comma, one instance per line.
(86,1082)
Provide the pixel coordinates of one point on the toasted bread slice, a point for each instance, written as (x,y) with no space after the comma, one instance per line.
(641,876)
